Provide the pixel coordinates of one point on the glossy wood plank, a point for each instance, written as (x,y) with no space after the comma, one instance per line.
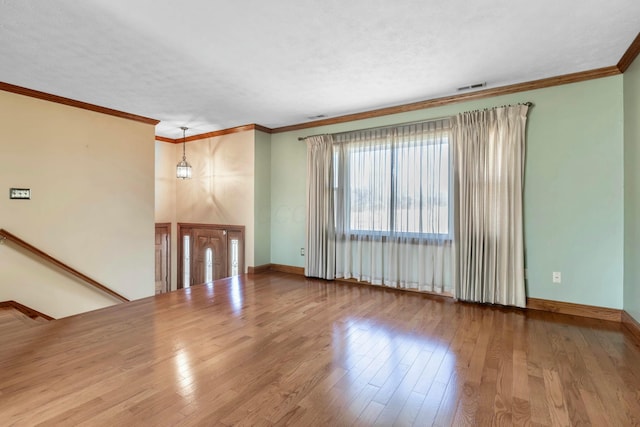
(279,349)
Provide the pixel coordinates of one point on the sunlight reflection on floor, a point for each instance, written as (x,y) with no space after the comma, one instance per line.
(383,363)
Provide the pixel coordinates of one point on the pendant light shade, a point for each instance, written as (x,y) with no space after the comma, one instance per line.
(183,169)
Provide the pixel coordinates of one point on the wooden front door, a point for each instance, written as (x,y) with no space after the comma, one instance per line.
(208,252)
(162,257)
(209,255)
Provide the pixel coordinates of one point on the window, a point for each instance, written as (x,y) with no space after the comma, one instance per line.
(186,262)
(234,257)
(394,182)
(208,273)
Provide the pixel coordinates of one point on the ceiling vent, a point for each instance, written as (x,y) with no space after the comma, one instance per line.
(319,116)
(473,86)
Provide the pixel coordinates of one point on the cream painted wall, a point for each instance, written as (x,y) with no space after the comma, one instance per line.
(92,207)
(165,196)
(262,199)
(165,181)
(573,188)
(632,190)
(222,188)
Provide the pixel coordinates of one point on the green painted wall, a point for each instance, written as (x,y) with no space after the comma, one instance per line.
(632,190)
(288,181)
(573,189)
(262,198)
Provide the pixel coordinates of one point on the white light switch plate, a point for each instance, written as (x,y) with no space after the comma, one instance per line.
(20,193)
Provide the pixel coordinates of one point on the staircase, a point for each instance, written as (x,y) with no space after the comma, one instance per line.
(38,296)
(15,322)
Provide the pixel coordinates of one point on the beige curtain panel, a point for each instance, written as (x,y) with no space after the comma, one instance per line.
(489,149)
(320,237)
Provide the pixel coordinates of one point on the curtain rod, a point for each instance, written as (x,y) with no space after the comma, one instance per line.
(302,138)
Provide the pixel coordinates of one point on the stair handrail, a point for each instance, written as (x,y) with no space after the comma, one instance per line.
(4,234)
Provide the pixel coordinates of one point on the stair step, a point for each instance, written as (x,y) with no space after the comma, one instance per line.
(13,321)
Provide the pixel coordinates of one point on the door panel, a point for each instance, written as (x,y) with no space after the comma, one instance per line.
(162,258)
(216,240)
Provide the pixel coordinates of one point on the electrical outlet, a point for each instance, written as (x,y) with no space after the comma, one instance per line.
(301,251)
(556,276)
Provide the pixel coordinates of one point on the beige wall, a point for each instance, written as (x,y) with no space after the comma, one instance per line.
(92,207)
(166,195)
(165,181)
(222,188)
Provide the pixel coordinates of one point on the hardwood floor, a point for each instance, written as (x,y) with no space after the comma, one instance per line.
(277,349)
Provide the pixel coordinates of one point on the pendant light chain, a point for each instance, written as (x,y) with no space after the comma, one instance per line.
(184,142)
(183,169)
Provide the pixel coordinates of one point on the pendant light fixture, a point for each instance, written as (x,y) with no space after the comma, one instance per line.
(183,170)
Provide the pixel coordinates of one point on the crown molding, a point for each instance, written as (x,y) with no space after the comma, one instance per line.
(165,139)
(625,61)
(438,102)
(630,55)
(221,132)
(7,87)
(263,129)
(215,133)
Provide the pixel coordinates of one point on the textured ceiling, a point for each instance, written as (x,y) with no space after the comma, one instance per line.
(212,65)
